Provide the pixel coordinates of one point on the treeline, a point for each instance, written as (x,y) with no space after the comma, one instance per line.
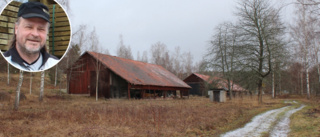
(179,63)
(266,54)
(260,51)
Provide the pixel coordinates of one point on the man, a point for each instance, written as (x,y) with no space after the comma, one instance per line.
(27,50)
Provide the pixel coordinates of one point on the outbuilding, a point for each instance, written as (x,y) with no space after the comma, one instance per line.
(218,95)
(201,84)
(122,78)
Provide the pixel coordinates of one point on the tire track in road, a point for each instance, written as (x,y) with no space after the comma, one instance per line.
(283,127)
(274,122)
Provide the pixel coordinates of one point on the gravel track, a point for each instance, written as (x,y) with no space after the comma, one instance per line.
(274,122)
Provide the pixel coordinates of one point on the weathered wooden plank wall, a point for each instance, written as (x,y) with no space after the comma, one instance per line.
(7,19)
(61,31)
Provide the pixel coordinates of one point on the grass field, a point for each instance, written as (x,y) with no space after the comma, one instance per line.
(70,115)
(73,115)
(306,123)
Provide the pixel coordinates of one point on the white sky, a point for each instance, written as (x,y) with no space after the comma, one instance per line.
(185,23)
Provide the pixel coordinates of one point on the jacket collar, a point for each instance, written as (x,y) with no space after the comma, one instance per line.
(15,57)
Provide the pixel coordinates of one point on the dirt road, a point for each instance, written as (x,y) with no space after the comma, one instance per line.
(274,123)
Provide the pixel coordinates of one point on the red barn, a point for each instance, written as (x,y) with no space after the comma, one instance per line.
(200,84)
(122,78)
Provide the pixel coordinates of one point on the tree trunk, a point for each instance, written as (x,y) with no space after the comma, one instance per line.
(41,86)
(273,87)
(30,82)
(8,82)
(97,79)
(301,82)
(55,76)
(318,72)
(305,48)
(97,85)
(230,89)
(308,84)
(260,91)
(280,89)
(16,104)
(68,79)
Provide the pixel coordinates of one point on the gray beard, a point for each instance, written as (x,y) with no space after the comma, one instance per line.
(29,52)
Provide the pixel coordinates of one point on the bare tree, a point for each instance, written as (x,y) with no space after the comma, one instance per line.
(71,56)
(261,30)
(79,44)
(80,38)
(312,5)
(273,82)
(8,70)
(94,44)
(160,54)
(41,86)
(167,61)
(313,11)
(65,4)
(31,75)
(178,68)
(316,58)
(304,36)
(138,56)
(144,57)
(180,64)
(124,51)
(56,75)
(200,66)
(17,100)
(222,52)
(188,61)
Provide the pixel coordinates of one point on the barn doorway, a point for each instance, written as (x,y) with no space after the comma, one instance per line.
(103,84)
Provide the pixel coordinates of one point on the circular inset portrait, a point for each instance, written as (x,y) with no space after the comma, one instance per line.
(34,36)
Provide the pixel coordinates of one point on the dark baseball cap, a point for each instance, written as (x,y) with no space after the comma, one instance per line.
(34,10)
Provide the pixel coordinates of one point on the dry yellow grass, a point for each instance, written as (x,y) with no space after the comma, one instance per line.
(306,123)
(72,115)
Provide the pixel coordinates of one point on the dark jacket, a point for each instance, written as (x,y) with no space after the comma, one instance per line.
(45,60)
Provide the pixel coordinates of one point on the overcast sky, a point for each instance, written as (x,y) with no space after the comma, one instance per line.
(185,23)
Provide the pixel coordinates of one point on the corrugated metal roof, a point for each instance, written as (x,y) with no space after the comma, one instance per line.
(203,77)
(220,83)
(140,73)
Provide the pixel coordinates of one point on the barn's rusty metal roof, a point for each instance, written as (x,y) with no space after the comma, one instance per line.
(140,73)
(219,82)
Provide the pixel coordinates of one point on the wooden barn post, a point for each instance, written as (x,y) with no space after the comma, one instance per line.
(129,86)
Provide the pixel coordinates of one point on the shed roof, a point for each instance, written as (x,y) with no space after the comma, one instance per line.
(139,73)
(220,83)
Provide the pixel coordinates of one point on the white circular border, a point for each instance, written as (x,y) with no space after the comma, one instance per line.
(66,51)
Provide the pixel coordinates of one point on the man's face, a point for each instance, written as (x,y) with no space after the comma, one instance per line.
(31,34)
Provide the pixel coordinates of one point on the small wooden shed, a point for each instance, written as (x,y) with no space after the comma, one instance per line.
(198,84)
(122,78)
(218,95)
(202,83)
